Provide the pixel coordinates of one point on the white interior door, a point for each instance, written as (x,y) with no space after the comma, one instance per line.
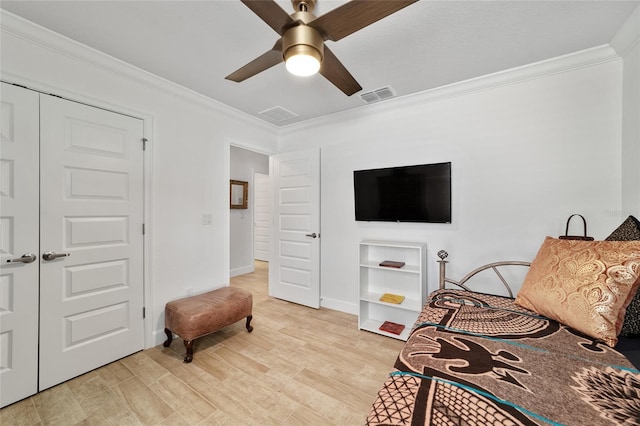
(294,271)
(91,203)
(262,218)
(19,235)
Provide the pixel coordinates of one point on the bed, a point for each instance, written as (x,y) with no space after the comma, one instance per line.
(477,359)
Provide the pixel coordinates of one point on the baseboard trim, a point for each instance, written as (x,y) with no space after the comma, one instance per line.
(242,270)
(339,305)
(159,337)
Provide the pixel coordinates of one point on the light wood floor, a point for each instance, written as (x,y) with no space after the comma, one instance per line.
(300,366)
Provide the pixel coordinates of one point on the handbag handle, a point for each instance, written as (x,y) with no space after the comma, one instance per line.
(566,235)
(584,222)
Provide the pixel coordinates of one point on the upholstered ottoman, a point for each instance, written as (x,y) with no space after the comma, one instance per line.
(197,316)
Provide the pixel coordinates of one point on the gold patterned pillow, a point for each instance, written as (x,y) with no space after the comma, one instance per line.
(585,285)
(629,230)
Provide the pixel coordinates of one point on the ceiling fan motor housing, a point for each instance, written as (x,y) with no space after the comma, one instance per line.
(302,39)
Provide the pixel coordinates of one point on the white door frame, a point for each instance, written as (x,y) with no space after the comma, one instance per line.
(227,175)
(148,125)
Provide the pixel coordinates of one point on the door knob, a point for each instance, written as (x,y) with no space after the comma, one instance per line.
(314,235)
(50,255)
(25,258)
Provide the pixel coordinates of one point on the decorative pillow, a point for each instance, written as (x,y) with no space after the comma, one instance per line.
(585,285)
(629,231)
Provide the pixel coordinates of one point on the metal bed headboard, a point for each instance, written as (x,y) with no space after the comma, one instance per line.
(494,266)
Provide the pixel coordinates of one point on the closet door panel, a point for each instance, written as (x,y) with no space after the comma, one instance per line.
(91,216)
(18,237)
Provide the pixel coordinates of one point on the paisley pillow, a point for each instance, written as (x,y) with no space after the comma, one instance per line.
(629,230)
(585,285)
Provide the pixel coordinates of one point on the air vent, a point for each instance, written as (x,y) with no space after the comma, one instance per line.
(278,113)
(378,95)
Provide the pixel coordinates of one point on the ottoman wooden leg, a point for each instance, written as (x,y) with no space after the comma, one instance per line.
(249,326)
(169,334)
(188,344)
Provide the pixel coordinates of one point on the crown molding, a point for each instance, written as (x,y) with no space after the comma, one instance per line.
(629,34)
(573,61)
(43,37)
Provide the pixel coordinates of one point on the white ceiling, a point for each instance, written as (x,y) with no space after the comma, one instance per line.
(425,45)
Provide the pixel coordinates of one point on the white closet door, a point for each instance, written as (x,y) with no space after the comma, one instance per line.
(91,209)
(18,236)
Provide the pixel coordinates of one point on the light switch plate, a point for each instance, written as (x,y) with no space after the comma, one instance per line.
(207,218)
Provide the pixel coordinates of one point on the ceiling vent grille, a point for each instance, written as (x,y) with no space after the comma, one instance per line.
(378,95)
(278,113)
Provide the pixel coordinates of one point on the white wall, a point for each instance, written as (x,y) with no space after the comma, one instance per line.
(525,155)
(189,155)
(627,44)
(243,164)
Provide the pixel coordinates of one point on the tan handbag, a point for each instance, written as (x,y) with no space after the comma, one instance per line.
(584,237)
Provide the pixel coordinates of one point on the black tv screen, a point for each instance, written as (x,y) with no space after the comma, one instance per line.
(420,193)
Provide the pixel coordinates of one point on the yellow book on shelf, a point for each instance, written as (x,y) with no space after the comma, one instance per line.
(392,298)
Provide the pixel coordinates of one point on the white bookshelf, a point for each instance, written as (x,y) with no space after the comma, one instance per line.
(409,281)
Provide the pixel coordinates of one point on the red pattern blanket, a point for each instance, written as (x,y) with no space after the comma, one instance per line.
(477,359)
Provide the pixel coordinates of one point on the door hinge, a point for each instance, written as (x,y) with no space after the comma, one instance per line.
(144,312)
(143,229)
(144,144)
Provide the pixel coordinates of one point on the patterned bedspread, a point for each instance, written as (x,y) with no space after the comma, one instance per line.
(477,359)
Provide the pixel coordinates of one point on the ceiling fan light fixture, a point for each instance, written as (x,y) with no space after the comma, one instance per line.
(303,60)
(303,50)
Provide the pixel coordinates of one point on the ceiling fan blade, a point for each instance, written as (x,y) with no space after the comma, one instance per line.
(271,13)
(355,15)
(333,70)
(261,63)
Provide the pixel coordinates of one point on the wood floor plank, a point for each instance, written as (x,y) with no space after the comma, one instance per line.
(335,389)
(271,399)
(21,413)
(238,361)
(144,403)
(146,369)
(234,402)
(213,366)
(176,420)
(305,416)
(99,421)
(58,406)
(328,407)
(114,373)
(219,419)
(125,417)
(96,398)
(175,365)
(190,406)
(276,361)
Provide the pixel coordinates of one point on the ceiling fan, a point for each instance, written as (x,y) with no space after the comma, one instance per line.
(301,45)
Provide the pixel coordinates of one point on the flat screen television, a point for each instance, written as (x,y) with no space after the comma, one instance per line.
(420,193)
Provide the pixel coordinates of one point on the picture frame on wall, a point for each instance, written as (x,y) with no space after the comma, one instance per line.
(239,194)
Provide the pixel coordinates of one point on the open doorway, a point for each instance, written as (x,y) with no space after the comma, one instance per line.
(249,228)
